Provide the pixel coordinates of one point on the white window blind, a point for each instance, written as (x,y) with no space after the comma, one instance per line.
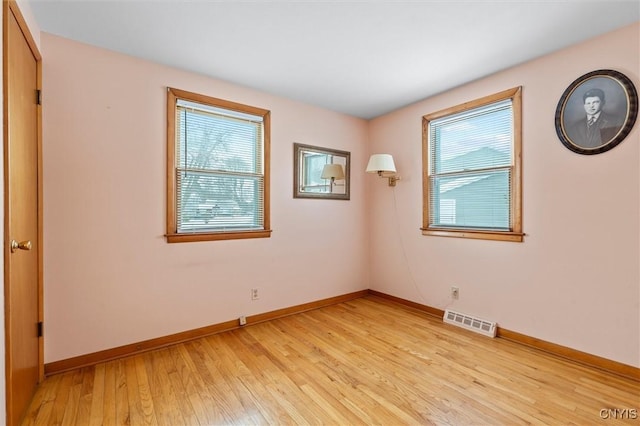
(219,169)
(471,168)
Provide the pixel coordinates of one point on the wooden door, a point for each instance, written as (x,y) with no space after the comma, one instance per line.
(23,344)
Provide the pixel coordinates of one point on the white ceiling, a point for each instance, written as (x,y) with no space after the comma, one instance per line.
(363,58)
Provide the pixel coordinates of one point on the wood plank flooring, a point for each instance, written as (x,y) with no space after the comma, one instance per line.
(366,361)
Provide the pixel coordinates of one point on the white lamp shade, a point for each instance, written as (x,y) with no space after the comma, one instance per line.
(332,171)
(381,163)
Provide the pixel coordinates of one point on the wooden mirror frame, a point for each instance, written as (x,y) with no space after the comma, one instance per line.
(343,157)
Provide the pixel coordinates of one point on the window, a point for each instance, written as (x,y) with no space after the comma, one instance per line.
(312,165)
(217,169)
(472,169)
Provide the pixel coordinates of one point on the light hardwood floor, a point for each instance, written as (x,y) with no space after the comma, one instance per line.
(366,361)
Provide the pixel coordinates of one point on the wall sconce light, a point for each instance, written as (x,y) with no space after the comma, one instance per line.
(333,172)
(383,165)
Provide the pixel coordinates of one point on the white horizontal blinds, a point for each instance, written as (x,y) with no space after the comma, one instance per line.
(219,169)
(470,168)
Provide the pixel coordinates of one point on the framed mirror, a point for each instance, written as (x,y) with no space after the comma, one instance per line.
(320,172)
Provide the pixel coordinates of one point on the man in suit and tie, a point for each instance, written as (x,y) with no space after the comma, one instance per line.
(598,127)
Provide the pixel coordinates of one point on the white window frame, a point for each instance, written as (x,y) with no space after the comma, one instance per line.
(514,233)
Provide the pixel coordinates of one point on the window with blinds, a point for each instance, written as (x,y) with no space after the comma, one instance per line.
(472,180)
(218,169)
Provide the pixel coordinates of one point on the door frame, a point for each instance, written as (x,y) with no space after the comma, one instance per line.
(11,7)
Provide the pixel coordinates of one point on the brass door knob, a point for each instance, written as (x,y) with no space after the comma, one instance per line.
(22,245)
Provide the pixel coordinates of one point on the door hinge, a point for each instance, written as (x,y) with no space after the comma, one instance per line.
(39,97)
(40,329)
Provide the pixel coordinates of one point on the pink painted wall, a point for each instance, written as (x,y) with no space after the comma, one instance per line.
(575,280)
(111,279)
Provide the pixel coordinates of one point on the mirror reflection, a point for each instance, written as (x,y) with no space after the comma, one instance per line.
(320,172)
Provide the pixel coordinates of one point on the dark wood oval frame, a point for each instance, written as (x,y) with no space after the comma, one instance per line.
(631,111)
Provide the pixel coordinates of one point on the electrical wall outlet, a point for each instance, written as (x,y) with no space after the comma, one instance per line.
(242,320)
(455,293)
(254,294)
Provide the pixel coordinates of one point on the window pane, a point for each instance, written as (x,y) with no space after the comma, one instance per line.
(211,142)
(313,164)
(472,200)
(477,139)
(218,202)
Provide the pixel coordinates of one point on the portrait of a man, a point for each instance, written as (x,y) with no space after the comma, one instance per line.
(596,112)
(597,127)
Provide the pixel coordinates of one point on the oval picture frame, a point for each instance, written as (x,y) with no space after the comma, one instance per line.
(607,95)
